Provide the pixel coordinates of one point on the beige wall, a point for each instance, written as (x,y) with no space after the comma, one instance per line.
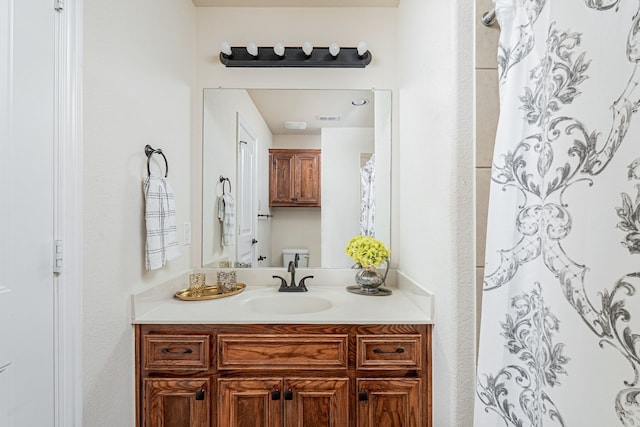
(139,76)
(487,110)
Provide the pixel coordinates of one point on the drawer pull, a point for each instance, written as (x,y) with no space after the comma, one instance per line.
(363,396)
(186,351)
(275,395)
(200,394)
(288,395)
(399,350)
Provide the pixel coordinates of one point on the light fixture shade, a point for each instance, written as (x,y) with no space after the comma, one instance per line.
(334,49)
(225,48)
(362,49)
(252,49)
(278,49)
(307,48)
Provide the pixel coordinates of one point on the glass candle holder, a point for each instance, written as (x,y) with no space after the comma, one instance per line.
(197,283)
(227,280)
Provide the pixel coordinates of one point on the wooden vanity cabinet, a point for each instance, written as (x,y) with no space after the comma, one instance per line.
(288,402)
(294,177)
(283,375)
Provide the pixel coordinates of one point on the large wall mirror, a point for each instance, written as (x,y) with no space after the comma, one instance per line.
(352,130)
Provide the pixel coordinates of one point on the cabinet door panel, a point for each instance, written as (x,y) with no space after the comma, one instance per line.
(249,402)
(307,168)
(281,182)
(317,402)
(176,402)
(389,402)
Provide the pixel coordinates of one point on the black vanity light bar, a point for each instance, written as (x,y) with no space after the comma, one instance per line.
(295,57)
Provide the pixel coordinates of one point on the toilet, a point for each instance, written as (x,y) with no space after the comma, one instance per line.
(290,254)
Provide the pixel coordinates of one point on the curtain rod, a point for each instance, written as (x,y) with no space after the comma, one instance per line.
(489,18)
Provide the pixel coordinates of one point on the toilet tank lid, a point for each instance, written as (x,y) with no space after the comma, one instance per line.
(295,251)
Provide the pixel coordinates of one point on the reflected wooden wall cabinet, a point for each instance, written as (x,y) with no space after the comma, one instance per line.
(294,177)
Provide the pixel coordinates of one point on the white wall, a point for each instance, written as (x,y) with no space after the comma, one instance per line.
(436,220)
(221,109)
(341,190)
(139,75)
(291,26)
(138,79)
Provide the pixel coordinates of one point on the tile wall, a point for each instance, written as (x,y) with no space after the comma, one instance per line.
(487,110)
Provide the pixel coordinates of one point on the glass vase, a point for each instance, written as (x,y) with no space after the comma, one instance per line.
(370,279)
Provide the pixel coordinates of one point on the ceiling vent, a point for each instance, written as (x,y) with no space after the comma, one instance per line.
(329,118)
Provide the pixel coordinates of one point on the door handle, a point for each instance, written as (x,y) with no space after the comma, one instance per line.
(186,351)
(396,351)
(254,241)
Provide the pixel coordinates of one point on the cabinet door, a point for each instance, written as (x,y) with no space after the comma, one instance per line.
(251,402)
(176,402)
(389,402)
(316,402)
(307,179)
(281,179)
(294,177)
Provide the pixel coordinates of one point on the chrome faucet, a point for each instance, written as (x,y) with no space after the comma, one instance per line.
(292,286)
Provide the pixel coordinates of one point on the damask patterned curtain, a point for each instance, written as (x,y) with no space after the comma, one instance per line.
(560,332)
(367,199)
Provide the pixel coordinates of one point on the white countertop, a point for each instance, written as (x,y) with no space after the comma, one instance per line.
(329,303)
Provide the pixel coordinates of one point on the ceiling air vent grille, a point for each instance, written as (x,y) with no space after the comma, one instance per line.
(329,118)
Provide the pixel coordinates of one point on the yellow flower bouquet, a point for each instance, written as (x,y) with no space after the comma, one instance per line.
(367,251)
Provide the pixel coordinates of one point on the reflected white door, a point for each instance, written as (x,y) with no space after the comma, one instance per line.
(246,211)
(27,53)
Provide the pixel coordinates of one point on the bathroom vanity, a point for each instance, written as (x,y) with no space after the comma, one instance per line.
(262,358)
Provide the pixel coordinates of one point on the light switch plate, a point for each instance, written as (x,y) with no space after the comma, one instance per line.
(186,229)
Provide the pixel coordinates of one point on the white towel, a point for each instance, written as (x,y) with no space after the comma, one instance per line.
(160,218)
(226,215)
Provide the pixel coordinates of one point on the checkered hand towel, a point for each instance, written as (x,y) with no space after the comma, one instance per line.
(160,219)
(226,216)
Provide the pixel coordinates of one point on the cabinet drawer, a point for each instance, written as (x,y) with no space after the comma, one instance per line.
(282,351)
(176,352)
(389,352)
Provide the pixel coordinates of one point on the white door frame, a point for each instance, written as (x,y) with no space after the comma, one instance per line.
(68,214)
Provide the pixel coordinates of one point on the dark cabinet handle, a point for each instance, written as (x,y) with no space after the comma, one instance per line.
(363,396)
(397,351)
(275,395)
(167,351)
(288,395)
(294,199)
(200,394)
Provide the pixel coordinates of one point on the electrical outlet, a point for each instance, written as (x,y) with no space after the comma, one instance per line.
(186,230)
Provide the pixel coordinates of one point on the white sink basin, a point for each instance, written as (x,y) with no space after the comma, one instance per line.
(283,303)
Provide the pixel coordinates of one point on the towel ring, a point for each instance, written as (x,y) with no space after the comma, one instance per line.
(224,180)
(149,151)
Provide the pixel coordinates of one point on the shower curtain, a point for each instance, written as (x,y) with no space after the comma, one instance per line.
(560,330)
(367,198)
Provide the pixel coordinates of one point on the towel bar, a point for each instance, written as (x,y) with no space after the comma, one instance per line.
(149,151)
(224,180)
